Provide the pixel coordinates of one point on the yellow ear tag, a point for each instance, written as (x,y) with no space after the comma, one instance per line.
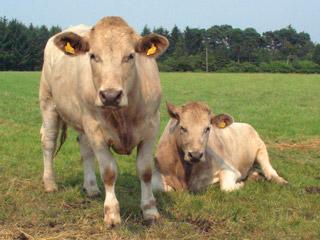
(152,50)
(69,49)
(222,124)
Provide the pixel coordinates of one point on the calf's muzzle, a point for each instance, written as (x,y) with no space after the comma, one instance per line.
(195,156)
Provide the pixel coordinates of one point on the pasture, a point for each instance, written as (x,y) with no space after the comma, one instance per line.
(283,108)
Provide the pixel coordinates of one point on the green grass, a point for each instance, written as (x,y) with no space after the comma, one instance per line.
(283,109)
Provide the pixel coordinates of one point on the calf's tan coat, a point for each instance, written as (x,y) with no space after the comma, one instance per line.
(230,151)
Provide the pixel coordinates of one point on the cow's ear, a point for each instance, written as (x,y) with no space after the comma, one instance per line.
(221,120)
(152,45)
(71,44)
(173,111)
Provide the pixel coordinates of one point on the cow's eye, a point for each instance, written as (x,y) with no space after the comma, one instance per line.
(183,130)
(128,58)
(206,130)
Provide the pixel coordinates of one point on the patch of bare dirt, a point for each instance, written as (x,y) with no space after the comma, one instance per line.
(313,144)
(313,190)
(204,225)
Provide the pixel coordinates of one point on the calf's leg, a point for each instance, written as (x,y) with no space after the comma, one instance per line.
(88,161)
(228,180)
(269,172)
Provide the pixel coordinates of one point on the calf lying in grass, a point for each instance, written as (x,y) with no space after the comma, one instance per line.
(198,148)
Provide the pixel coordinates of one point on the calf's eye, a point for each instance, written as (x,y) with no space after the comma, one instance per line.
(94,57)
(183,130)
(206,130)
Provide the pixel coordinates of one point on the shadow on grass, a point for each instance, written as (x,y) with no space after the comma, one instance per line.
(128,194)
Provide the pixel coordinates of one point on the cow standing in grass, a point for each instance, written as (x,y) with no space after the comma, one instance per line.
(198,148)
(103,81)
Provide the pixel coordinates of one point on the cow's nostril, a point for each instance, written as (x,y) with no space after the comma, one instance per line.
(118,96)
(110,97)
(102,96)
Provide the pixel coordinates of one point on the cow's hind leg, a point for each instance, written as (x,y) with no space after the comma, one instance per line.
(49,133)
(144,169)
(269,172)
(88,161)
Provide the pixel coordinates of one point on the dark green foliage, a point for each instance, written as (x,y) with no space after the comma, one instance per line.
(236,50)
(21,47)
(229,49)
(316,54)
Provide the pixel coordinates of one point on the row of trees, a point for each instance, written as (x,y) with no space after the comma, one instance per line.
(21,47)
(220,48)
(234,49)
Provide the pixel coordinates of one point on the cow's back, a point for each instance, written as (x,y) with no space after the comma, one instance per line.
(237,145)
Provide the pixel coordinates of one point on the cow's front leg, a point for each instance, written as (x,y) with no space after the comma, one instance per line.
(144,169)
(108,172)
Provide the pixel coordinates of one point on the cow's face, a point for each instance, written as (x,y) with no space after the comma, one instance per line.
(192,124)
(112,47)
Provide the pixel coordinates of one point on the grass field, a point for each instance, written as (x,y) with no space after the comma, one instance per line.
(283,108)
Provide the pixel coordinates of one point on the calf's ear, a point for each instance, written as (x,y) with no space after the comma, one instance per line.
(173,111)
(152,45)
(71,44)
(221,120)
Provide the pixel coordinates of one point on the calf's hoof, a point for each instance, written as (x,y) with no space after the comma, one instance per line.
(279,180)
(233,187)
(112,216)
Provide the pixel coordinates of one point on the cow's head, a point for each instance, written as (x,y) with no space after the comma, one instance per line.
(192,124)
(112,47)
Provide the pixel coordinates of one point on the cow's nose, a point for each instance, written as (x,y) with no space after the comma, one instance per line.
(110,97)
(195,156)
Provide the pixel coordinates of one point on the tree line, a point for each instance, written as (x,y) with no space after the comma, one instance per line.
(218,48)
(21,46)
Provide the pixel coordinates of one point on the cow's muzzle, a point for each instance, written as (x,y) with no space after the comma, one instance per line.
(111,97)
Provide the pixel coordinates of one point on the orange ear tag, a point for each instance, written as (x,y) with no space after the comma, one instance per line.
(152,50)
(69,49)
(222,124)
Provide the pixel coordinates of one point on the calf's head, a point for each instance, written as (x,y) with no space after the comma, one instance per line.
(112,46)
(192,124)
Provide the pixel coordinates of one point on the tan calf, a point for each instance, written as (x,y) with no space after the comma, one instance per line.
(104,82)
(198,148)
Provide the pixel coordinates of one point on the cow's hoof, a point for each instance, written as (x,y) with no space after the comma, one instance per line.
(150,222)
(112,221)
(92,192)
(112,216)
(50,187)
(150,216)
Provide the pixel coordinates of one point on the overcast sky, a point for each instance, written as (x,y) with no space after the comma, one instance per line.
(263,15)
